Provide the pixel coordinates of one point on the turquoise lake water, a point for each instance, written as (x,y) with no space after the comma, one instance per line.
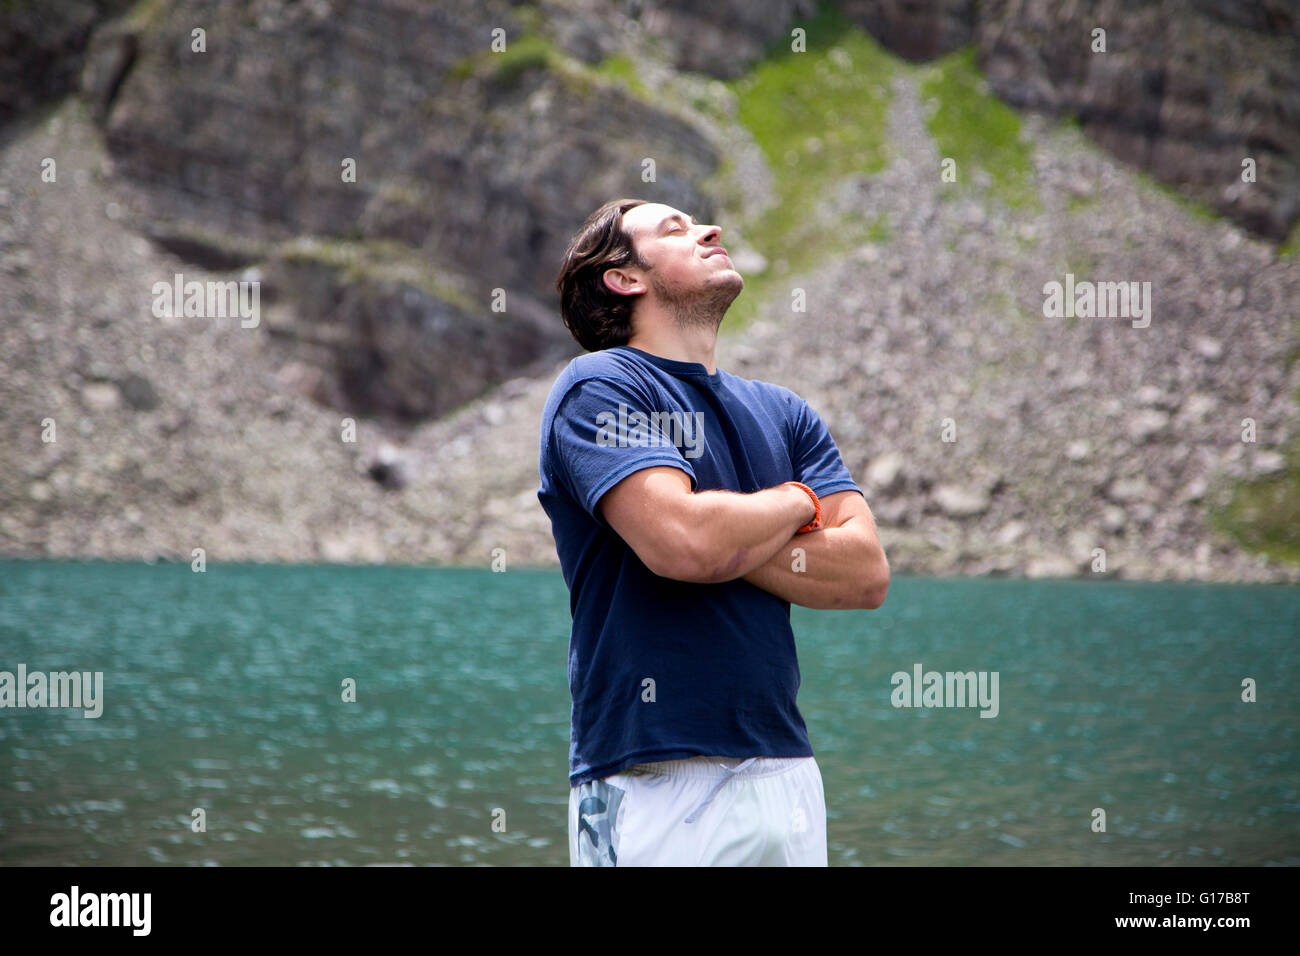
(223,691)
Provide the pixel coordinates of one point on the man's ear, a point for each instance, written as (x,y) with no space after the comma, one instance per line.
(624,283)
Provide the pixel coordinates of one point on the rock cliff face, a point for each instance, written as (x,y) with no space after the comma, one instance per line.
(384,126)
(41,48)
(917,30)
(1186,90)
(415,297)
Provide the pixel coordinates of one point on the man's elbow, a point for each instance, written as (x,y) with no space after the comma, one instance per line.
(877,584)
(677,554)
(699,565)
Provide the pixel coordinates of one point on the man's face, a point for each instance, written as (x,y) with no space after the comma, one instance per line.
(687,266)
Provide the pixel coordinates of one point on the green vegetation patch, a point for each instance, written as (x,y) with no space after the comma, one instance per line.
(1264,515)
(1194,208)
(534,51)
(879,232)
(977,130)
(377,260)
(819,116)
(623,71)
(521,54)
(146,14)
(1292,243)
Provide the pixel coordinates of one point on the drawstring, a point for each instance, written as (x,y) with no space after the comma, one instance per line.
(722,782)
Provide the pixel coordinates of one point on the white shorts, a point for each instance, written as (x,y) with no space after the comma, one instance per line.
(704,811)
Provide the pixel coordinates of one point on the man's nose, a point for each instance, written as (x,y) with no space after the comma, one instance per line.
(710,233)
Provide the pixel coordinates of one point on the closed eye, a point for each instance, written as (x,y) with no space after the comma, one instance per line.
(680,226)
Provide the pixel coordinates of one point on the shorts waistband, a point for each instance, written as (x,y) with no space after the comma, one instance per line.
(710,767)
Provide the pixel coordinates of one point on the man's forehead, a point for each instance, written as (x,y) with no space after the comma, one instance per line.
(643,218)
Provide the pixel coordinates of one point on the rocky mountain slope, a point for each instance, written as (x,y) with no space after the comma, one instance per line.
(924,298)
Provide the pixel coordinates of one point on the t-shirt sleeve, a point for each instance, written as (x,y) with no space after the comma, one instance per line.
(603,431)
(817,462)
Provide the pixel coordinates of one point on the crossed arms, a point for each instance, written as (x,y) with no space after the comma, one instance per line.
(713,536)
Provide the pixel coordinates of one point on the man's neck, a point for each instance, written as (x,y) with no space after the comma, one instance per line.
(680,345)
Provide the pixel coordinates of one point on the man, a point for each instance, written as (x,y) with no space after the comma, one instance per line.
(690,508)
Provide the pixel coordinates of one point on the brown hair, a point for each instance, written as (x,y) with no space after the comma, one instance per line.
(598,317)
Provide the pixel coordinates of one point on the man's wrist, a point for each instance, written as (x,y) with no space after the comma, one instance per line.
(815,519)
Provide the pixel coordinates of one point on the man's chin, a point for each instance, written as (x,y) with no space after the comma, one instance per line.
(727,294)
(739,284)
(731,278)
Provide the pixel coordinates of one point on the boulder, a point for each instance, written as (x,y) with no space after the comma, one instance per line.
(961,501)
(1051,566)
(885,472)
(1145,423)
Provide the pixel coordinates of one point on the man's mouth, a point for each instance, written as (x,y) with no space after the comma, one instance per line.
(718,250)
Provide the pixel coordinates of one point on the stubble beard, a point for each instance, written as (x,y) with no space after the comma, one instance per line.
(703,308)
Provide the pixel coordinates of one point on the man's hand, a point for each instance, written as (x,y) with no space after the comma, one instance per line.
(843,565)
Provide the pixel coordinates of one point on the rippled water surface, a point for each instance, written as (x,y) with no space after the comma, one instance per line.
(223,692)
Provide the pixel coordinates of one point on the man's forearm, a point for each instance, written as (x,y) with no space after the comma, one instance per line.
(838,568)
(735,534)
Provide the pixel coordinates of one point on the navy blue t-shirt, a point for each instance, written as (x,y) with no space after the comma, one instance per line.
(717,659)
